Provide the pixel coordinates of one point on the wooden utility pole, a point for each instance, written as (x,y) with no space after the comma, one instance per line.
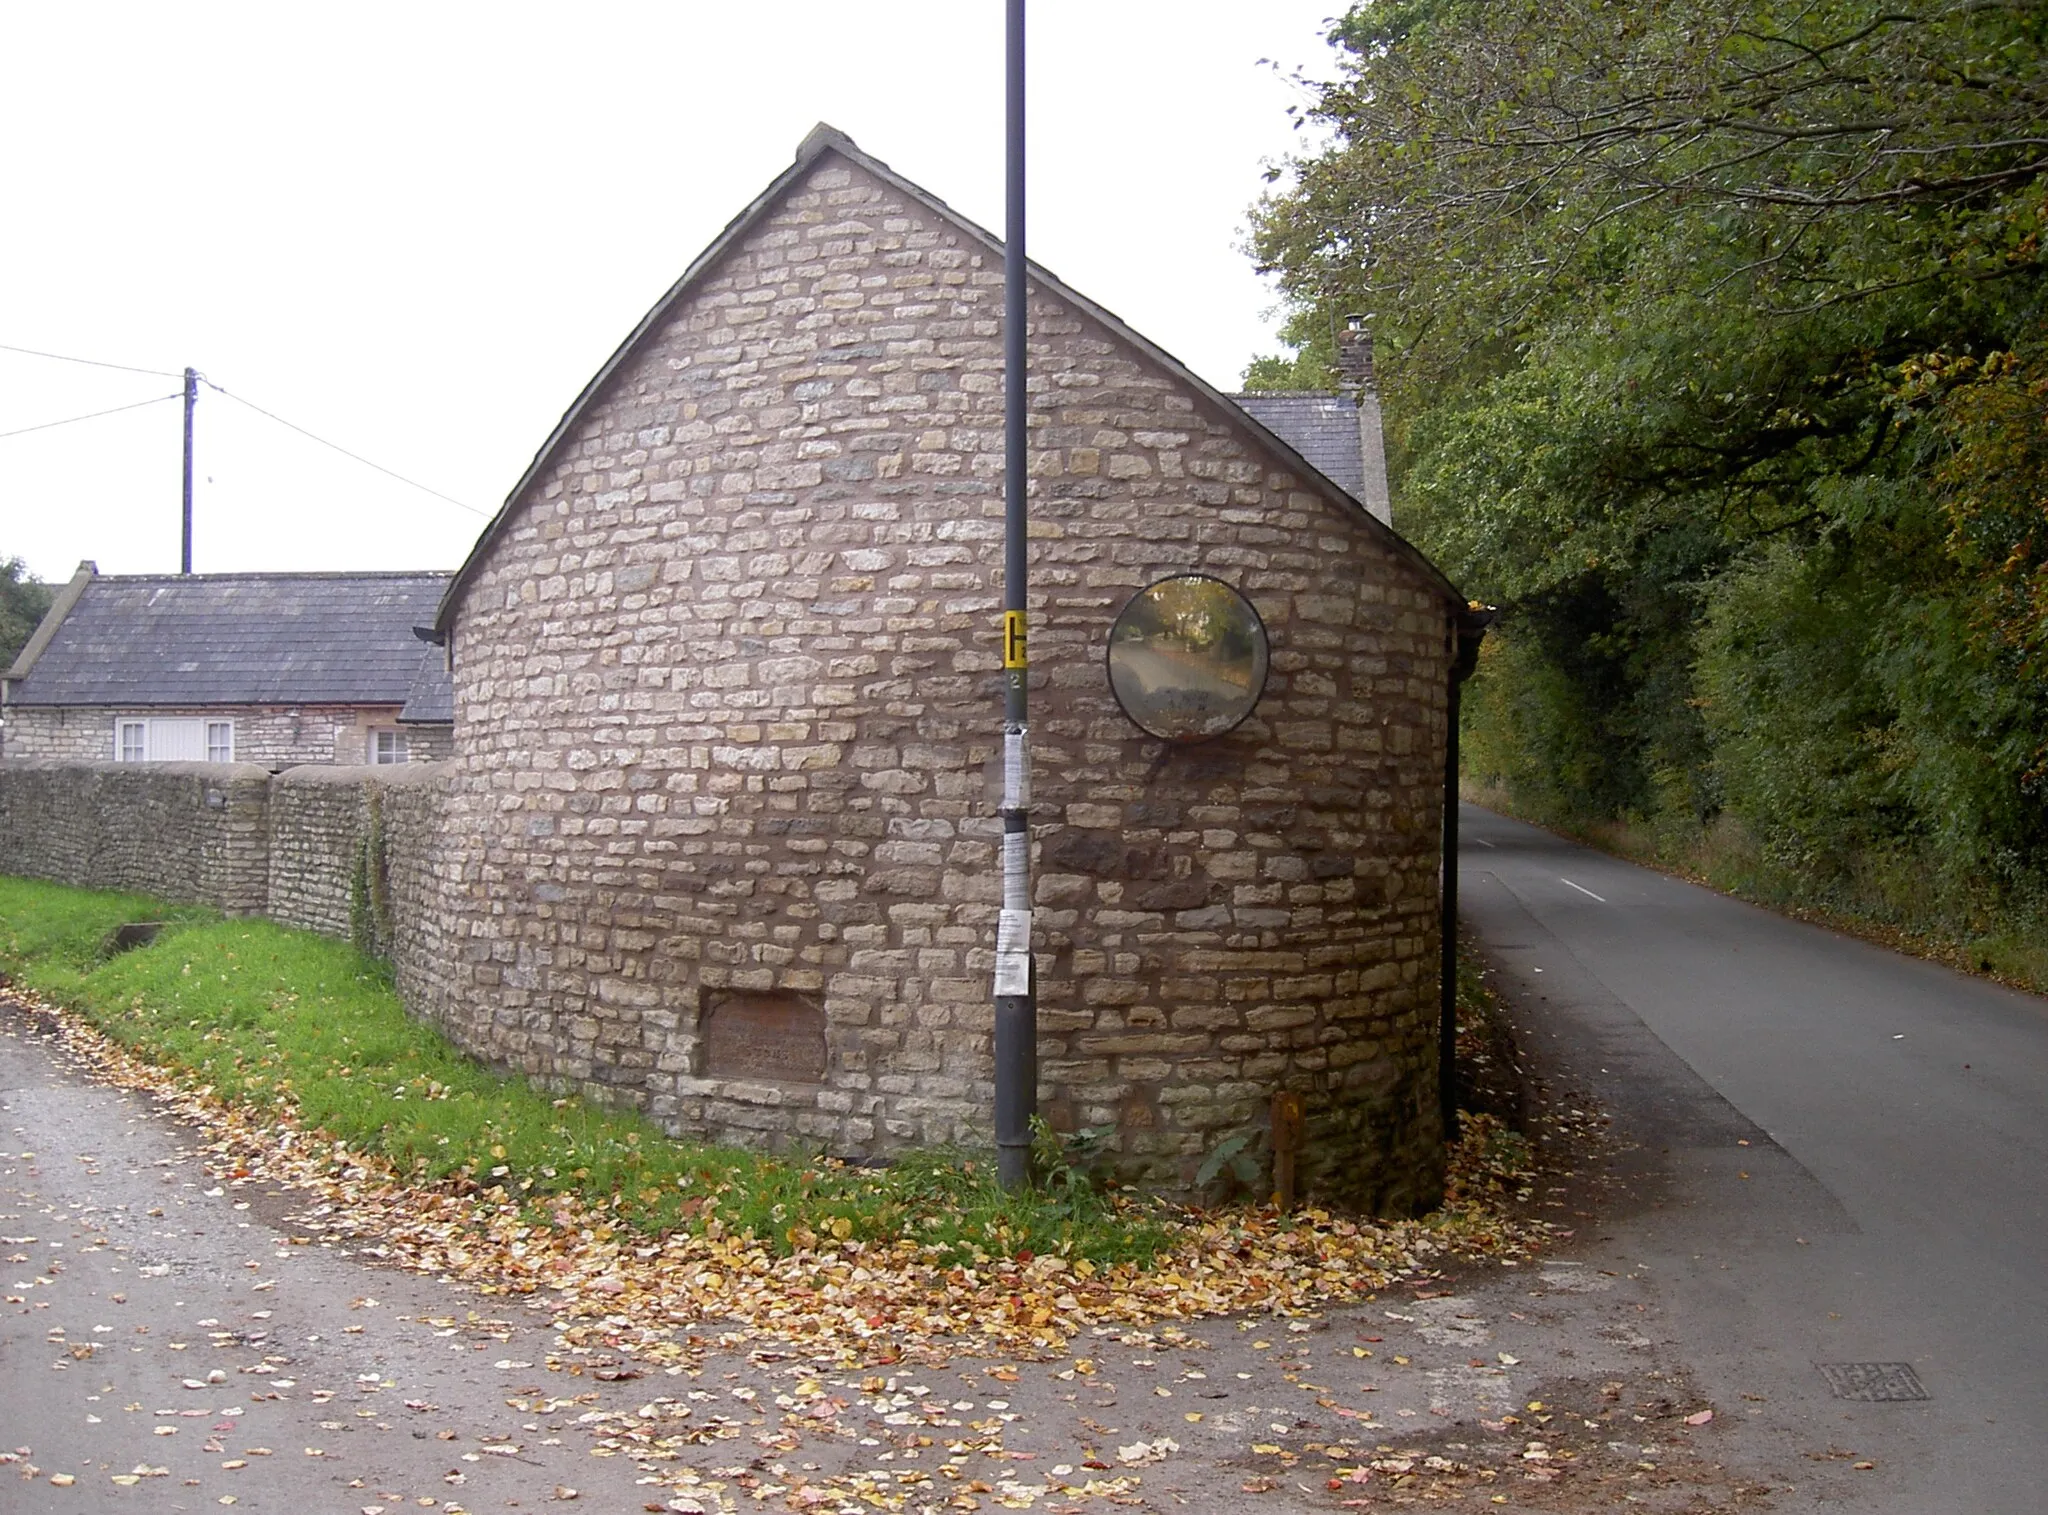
(191,399)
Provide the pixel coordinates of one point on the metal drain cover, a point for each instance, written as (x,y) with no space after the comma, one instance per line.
(1873,1382)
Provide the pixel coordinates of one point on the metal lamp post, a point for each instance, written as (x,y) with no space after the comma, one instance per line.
(1016,1007)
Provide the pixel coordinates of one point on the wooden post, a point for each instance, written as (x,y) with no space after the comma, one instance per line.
(191,399)
(1287,1134)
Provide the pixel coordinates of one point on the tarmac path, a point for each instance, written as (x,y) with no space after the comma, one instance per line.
(1842,1159)
(175,1336)
(175,1339)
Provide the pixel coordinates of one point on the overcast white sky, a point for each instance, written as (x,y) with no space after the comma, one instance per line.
(417,229)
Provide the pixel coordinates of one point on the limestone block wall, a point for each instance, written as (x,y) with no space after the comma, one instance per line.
(270,736)
(429,744)
(237,837)
(58,734)
(413,799)
(320,819)
(727,696)
(318,816)
(181,831)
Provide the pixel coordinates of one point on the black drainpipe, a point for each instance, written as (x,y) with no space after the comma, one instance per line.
(1469,629)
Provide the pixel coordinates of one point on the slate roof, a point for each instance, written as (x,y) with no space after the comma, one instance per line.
(244,639)
(430,698)
(1321,426)
(824,139)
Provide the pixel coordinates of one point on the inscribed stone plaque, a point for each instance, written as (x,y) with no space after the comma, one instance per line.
(763,1035)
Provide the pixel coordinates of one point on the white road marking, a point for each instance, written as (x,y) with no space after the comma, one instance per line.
(1589,894)
(1482,841)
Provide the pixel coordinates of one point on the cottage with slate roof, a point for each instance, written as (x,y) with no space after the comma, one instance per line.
(276,669)
(722,831)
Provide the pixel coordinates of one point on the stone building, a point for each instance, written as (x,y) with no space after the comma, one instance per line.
(722,828)
(274,669)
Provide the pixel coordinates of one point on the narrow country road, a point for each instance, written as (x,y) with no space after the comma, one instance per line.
(1842,1160)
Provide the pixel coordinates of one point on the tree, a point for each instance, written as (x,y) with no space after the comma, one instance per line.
(1496,161)
(23,601)
(1995,486)
(1714,337)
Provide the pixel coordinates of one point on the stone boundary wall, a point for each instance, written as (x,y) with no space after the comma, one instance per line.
(233,836)
(319,818)
(194,832)
(415,801)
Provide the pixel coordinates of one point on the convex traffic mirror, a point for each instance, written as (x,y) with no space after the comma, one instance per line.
(1187,658)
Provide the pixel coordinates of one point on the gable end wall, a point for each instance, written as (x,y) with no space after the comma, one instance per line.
(727,701)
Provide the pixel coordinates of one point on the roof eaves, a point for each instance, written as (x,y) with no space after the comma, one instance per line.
(1261,433)
(824,138)
(61,605)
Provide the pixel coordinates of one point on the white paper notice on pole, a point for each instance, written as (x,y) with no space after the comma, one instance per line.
(1013,953)
(1016,871)
(1016,771)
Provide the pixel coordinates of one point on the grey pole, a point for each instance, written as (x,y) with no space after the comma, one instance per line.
(1447,930)
(1016,1005)
(1466,631)
(191,399)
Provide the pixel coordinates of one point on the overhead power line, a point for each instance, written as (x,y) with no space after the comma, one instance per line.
(92,416)
(162,373)
(58,357)
(337,447)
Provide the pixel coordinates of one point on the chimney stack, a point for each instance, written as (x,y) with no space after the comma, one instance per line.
(1355,380)
(1354,358)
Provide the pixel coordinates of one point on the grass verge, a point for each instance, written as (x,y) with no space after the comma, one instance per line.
(316,1077)
(260,1015)
(294,1057)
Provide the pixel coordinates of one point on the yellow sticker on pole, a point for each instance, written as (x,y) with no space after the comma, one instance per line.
(1013,639)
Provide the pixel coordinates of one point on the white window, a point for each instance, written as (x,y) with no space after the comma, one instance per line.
(173,739)
(387,745)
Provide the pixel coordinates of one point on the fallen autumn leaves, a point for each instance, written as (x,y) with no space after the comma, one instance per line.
(623,1297)
(864,1301)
